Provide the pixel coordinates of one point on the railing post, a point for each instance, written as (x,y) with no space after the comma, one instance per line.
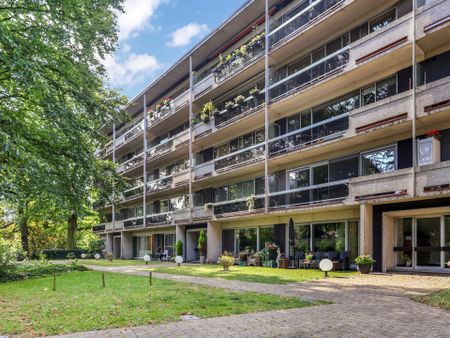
(144,167)
(113,209)
(191,85)
(266,109)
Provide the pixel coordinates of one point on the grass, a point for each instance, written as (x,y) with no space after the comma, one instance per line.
(115,262)
(250,273)
(439,299)
(80,303)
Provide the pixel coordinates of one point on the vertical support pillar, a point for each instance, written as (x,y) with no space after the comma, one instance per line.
(266,109)
(366,229)
(144,167)
(127,245)
(413,97)
(109,243)
(191,99)
(113,207)
(388,258)
(214,241)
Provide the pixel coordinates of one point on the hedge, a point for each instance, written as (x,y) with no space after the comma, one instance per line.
(26,271)
(62,253)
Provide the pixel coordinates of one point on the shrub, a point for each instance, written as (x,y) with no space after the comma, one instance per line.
(62,253)
(226,261)
(70,255)
(364,260)
(202,242)
(26,271)
(109,256)
(179,248)
(8,255)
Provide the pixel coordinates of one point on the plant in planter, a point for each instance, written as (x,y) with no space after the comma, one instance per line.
(201,245)
(179,251)
(226,261)
(207,111)
(244,50)
(239,99)
(272,251)
(254,91)
(166,102)
(364,263)
(308,257)
(229,105)
(251,200)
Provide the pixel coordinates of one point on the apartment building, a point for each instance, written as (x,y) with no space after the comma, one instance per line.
(320,125)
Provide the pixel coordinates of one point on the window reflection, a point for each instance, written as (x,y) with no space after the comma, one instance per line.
(380,161)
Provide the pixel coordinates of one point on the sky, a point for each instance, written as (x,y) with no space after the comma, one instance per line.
(154,34)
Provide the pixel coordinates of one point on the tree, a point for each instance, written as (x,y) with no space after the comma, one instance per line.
(54,104)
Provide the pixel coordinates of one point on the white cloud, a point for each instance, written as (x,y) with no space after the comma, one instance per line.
(136,17)
(183,36)
(132,70)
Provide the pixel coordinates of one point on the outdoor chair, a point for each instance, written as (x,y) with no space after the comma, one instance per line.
(344,257)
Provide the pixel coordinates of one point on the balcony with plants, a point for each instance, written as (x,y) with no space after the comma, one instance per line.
(132,160)
(135,190)
(239,58)
(170,145)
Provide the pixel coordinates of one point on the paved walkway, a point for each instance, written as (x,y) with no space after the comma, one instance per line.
(376,305)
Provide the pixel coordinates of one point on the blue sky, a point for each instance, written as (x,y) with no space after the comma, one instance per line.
(153,34)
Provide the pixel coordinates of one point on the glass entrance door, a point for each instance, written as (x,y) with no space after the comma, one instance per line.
(428,242)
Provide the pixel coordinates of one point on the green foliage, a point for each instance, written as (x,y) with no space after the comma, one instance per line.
(202,242)
(109,256)
(8,255)
(26,271)
(179,248)
(70,255)
(364,260)
(207,111)
(226,261)
(62,253)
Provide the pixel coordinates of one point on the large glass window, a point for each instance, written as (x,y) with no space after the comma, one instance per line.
(142,246)
(382,21)
(221,194)
(329,237)
(302,235)
(298,178)
(386,88)
(246,239)
(169,243)
(266,234)
(378,161)
(344,168)
(179,202)
(164,206)
(320,174)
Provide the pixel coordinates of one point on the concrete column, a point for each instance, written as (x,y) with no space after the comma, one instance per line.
(214,241)
(366,229)
(109,242)
(180,235)
(127,245)
(388,243)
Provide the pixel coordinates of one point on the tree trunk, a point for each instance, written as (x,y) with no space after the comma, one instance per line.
(72,225)
(23,228)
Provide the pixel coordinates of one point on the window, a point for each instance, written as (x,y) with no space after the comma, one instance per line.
(382,21)
(302,237)
(378,161)
(221,194)
(386,88)
(368,95)
(266,234)
(293,123)
(298,178)
(164,206)
(344,168)
(221,150)
(240,190)
(259,185)
(150,209)
(329,237)
(139,211)
(338,107)
(169,241)
(246,239)
(180,202)
(320,174)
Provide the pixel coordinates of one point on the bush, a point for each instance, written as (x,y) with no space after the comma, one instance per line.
(179,248)
(226,261)
(62,253)
(8,255)
(364,260)
(26,271)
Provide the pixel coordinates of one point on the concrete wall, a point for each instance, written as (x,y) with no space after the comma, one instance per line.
(366,229)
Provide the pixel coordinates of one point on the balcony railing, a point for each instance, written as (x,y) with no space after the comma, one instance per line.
(240,157)
(157,115)
(228,115)
(133,192)
(237,205)
(239,59)
(159,184)
(160,149)
(133,222)
(301,20)
(308,75)
(318,132)
(162,218)
(131,163)
(309,195)
(98,228)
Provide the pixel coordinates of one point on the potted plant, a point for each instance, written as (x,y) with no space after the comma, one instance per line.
(239,99)
(226,261)
(308,257)
(179,251)
(364,263)
(272,251)
(201,245)
(207,111)
(251,202)
(229,105)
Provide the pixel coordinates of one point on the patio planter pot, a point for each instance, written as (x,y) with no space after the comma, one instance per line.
(364,268)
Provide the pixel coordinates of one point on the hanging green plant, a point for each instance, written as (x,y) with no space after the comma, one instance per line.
(239,99)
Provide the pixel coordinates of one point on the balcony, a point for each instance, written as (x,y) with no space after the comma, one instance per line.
(432,24)
(133,193)
(159,185)
(239,58)
(315,72)
(202,213)
(302,20)
(117,225)
(232,113)
(434,179)
(181,216)
(327,193)
(325,130)
(135,222)
(131,164)
(181,178)
(240,158)
(159,219)
(237,207)
(171,149)
(130,135)
(98,228)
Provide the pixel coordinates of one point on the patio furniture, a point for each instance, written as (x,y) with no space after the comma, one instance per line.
(283,263)
(344,257)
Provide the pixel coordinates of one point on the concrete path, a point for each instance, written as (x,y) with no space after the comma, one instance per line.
(376,305)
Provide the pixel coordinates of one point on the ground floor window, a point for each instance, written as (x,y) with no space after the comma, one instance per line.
(153,245)
(246,240)
(329,237)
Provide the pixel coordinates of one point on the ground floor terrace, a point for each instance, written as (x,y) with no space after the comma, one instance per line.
(402,235)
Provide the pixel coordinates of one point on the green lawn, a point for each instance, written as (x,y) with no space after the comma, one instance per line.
(250,273)
(439,299)
(80,303)
(115,262)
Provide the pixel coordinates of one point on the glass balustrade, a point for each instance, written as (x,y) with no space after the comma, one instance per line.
(305,196)
(160,149)
(133,222)
(309,74)
(160,184)
(136,191)
(322,131)
(236,206)
(163,218)
(245,155)
(98,228)
(283,27)
(238,110)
